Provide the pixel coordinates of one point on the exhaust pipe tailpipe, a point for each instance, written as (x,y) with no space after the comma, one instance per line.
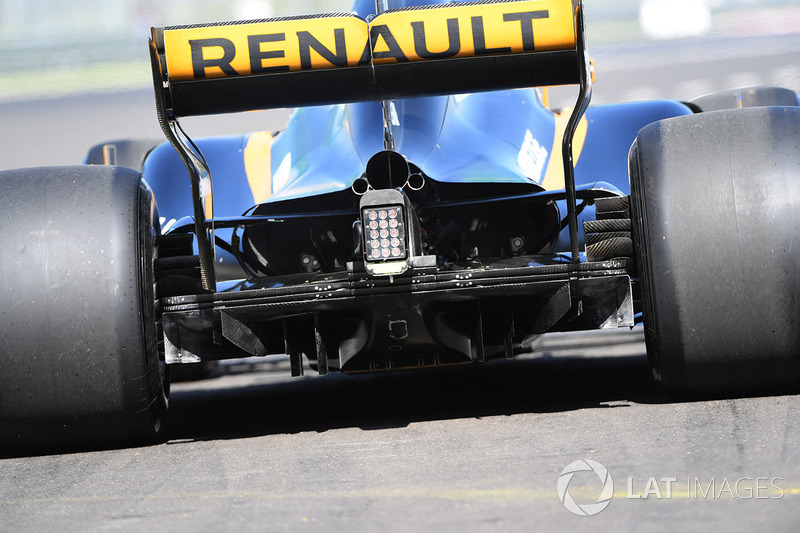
(387,170)
(415,181)
(360,186)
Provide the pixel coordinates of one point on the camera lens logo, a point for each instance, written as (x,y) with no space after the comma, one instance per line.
(587,509)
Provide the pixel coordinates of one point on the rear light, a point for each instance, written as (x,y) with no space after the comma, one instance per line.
(388,237)
(385,237)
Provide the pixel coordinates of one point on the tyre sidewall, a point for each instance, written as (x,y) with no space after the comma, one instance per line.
(78,349)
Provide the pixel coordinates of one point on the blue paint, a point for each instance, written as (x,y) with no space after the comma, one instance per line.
(496,137)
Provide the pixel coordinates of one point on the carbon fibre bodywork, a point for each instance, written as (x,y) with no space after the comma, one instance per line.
(490,135)
(495,266)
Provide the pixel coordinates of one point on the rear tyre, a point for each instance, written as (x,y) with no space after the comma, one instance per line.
(79,361)
(715,208)
(748,97)
(128,153)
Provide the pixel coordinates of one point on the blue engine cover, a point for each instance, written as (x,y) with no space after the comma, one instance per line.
(504,136)
(495,137)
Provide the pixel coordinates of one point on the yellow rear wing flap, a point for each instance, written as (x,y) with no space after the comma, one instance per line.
(340,58)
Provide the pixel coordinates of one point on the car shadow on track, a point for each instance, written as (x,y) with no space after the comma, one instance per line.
(568,373)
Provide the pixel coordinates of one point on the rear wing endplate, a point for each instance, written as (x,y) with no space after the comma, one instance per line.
(340,58)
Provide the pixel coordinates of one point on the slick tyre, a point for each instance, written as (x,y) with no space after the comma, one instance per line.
(79,360)
(715,209)
(748,97)
(129,153)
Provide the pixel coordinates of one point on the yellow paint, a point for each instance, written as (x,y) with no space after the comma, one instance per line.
(695,493)
(554,175)
(257,165)
(555,32)
(516,495)
(509,494)
(504,26)
(178,50)
(208,206)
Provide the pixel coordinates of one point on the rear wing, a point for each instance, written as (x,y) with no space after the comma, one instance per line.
(339,58)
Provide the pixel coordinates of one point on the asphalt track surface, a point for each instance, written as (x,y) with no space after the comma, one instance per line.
(478,448)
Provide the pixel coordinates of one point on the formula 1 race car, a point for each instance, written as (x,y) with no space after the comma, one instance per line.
(422,207)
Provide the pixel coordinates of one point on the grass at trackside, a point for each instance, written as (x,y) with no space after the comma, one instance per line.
(97,77)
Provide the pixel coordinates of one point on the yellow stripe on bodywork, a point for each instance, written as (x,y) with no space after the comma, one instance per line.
(554,175)
(257,165)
